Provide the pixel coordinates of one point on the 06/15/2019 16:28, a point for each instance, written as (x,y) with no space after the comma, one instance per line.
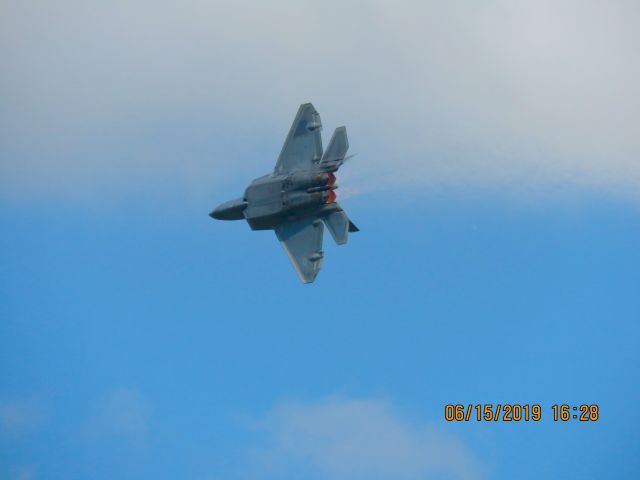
(515,412)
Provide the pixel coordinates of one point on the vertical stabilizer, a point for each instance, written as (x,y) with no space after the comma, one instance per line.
(338,146)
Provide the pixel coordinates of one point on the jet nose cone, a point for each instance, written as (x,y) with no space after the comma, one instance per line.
(218,213)
(231,210)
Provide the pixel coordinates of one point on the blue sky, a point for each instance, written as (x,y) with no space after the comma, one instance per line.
(496,192)
(131,335)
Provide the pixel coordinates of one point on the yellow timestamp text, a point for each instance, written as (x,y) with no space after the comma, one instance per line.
(516,412)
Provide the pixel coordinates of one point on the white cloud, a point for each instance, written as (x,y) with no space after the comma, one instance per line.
(507,95)
(343,438)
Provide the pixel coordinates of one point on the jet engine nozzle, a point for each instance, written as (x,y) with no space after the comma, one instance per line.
(302,181)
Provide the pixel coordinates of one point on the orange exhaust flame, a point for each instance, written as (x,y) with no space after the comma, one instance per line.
(331,197)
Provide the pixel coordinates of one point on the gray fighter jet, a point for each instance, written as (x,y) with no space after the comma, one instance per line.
(299,196)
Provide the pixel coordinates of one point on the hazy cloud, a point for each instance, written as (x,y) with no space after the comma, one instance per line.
(343,438)
(121,413)
(17,416)
(23,472)
(100,97)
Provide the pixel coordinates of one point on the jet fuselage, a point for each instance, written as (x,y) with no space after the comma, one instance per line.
(271,199)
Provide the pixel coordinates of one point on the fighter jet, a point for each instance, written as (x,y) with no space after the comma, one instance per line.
(298,197)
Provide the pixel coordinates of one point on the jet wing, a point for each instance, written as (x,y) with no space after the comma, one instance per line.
(302,240)
(303,145)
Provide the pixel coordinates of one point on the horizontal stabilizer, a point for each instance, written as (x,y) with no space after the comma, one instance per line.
(338,146)
(352,227)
